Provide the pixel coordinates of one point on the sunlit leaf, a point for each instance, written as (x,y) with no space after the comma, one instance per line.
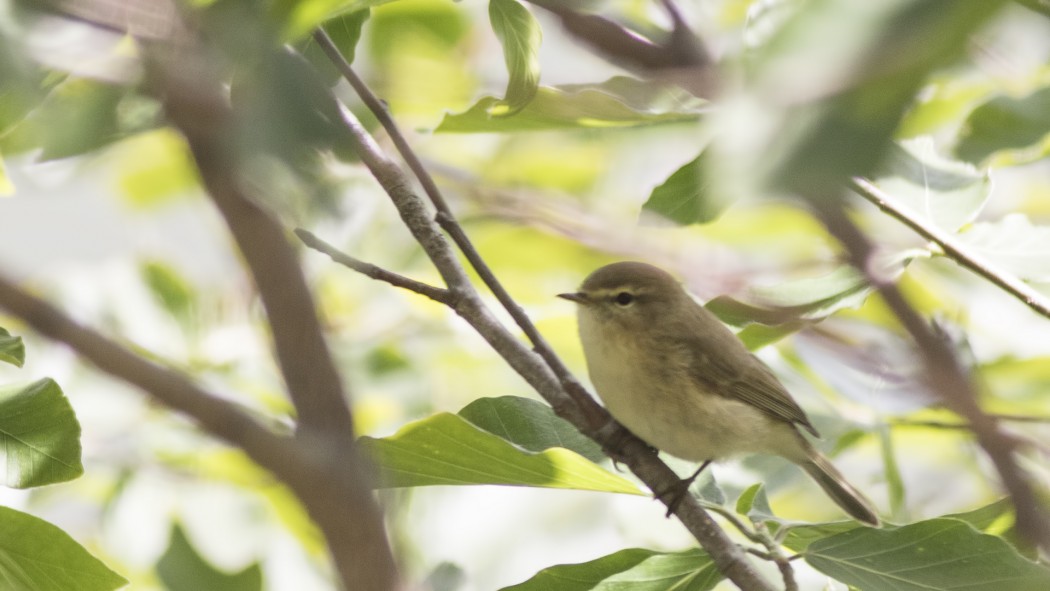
(12,350)
(37,556)
(154,167)
(580,106)
(799,537)
(686,196)
(446,576)
(983,518)
(39,435)
(754,503)
(6,186)
(168,287)
(1020,383)
(636,569)
(181,568)
(1005,123)
(520,36)
(943,103)
(948,193)
(944,554)
(1013,244)
(529,424)
(755,335)
(394,24)
(300,17)
(447,449)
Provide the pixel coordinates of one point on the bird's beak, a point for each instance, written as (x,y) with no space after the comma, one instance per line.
(578,297)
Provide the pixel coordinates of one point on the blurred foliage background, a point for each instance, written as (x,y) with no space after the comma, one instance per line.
(103,213)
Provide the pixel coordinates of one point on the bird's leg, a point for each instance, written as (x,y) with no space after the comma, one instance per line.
(677,491)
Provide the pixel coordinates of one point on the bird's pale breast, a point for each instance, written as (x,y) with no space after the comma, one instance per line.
(650,392)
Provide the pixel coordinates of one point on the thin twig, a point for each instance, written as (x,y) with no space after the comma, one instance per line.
(952,248)
(944,373)
(681,58)
(732,518)
(759,535)
(437,294)
(962,425)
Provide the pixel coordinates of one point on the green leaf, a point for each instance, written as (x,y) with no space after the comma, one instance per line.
(983,518)
(948,193)
(894,480)
(76,117)
(754,503)
(827,116)
(799,537)
(582,106)
(181,568)
(808,298)
(345,32)
(943,554)
(822,294)
(37,556)
(168,287)
(707,489)
(447,449)
(39,435)
(1013,244)
(1005,123)
(300,17)
(155,167)
(755,336)
(520,36)
(686,196)
(635,569)
(12,350)
(6,186)
(397,25)
(529,424)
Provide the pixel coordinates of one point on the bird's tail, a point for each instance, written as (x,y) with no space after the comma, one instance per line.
(840,491)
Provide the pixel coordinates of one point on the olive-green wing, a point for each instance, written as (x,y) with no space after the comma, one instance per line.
(738,374)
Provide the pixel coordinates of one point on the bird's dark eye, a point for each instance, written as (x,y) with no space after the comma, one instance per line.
(623,298)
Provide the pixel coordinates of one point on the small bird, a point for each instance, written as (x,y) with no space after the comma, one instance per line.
(676,377)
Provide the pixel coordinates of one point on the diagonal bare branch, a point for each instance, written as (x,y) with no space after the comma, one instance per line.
(945,375)
(336,491)
(442,296)
(196,104)
(173,389)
